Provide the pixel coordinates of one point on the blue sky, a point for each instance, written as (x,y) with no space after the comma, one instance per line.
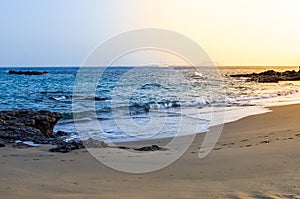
(53,32)
(233,32)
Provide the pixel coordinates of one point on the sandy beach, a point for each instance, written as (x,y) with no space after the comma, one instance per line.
(146,99)
(256,157)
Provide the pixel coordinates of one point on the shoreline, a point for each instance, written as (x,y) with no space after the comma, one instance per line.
(255,157)
(164,140)
(264,110)
(263,105)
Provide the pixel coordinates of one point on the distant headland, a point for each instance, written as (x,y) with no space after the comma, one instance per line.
(271,76)
(13,72)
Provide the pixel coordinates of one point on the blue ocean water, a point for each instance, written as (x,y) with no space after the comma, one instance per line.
(156,99)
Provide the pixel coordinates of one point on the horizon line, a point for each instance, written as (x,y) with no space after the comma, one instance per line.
(144,65)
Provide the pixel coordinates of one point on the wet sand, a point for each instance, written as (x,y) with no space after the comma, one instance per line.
(256,157)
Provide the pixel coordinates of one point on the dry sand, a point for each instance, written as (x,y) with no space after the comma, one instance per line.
(256,157)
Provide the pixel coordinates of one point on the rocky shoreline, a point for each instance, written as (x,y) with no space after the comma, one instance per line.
(26,128)
(270,76)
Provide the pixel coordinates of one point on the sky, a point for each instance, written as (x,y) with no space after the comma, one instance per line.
(232,32)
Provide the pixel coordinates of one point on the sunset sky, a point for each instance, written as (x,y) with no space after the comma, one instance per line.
(233,32)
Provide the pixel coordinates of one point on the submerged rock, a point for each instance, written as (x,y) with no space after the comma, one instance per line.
(13,72)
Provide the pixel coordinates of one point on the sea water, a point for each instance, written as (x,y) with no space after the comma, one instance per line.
(156,100)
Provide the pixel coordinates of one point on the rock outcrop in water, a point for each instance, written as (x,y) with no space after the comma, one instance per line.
(13,72)
(271,76)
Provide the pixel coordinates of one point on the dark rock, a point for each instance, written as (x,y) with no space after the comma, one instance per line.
(2,143)
(61,133)
(28,126)
(43,140)
(149,148)
(123,147)
(13,72)
(66,147)
(25,123)
(18,132)
(271,76)
(92,143)
(95,98)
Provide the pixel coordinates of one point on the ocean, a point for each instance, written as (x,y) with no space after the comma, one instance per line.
(138,103)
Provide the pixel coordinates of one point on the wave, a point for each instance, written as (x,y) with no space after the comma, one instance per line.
(87,113)
(150,86)
(60,98)
(226,101)
(138,108)
(65,97)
